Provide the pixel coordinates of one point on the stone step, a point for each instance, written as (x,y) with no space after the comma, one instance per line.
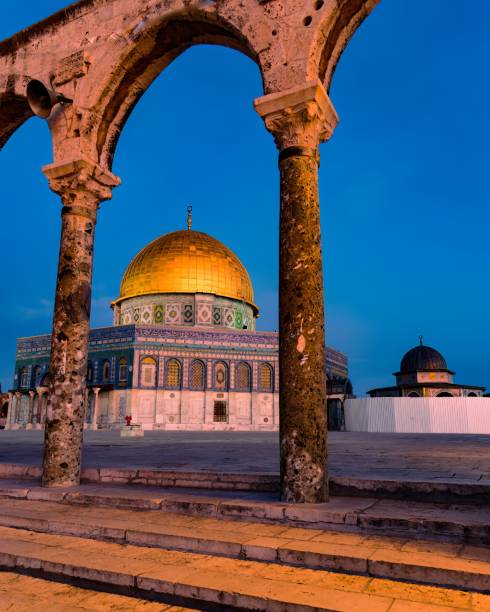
(443,564)
(23,593)
(458,524)
(452,491)
(213,583)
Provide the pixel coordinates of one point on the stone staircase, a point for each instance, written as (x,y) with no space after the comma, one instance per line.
(213,550)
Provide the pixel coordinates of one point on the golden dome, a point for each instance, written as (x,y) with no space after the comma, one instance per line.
(187,262)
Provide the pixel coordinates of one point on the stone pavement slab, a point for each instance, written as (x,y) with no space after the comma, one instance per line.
(381,456)
(228,583)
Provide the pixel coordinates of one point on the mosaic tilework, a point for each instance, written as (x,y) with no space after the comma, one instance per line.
(229,317)
(188,313)
(158,313)
(204,313)
(172,314)
(216,315)
(146,315)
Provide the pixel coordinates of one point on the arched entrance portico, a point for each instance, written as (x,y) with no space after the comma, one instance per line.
(104,56)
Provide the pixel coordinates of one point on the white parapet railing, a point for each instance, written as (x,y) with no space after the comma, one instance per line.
(468,415)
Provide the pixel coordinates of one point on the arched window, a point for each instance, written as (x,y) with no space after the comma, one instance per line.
(243,377)
(221,376)
(471,394)
(24,378)
(444,394)
(172,376)
(148,372)
(265,377)
(106,371)
(123,369)
(413,394)
(197,375)
(37,375)
(90,372)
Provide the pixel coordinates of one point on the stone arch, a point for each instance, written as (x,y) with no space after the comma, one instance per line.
(14,111)
(333,34)
(139,64)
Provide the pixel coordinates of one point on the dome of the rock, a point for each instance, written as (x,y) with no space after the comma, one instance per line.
(186,262)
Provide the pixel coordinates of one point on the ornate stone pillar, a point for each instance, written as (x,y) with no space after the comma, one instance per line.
(16,410)
(95,414)
(30,415)
(8,422)
(82,185)
(300,119)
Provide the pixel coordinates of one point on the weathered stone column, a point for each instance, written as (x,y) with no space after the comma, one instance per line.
(299,120)
(82,185)
(95,414)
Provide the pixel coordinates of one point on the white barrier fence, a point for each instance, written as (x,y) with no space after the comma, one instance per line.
(419,415)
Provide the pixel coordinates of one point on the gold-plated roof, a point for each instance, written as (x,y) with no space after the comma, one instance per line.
(187,262)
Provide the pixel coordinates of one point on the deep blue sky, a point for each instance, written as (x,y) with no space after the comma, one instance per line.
(403,182)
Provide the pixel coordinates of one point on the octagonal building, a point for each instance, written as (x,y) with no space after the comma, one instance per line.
(183,353)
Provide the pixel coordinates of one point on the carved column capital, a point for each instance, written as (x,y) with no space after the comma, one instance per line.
(82,184)
(96,390)
(299,117)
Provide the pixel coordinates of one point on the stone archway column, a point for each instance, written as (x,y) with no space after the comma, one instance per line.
(95,414)
(82,185)
(300,119)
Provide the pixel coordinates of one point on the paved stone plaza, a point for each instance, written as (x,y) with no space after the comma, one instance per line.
(364,455)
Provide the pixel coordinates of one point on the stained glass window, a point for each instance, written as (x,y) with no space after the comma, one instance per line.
(197,375)
(265,377)
(123,369)
(243,376)
(148,372)
(173,373)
